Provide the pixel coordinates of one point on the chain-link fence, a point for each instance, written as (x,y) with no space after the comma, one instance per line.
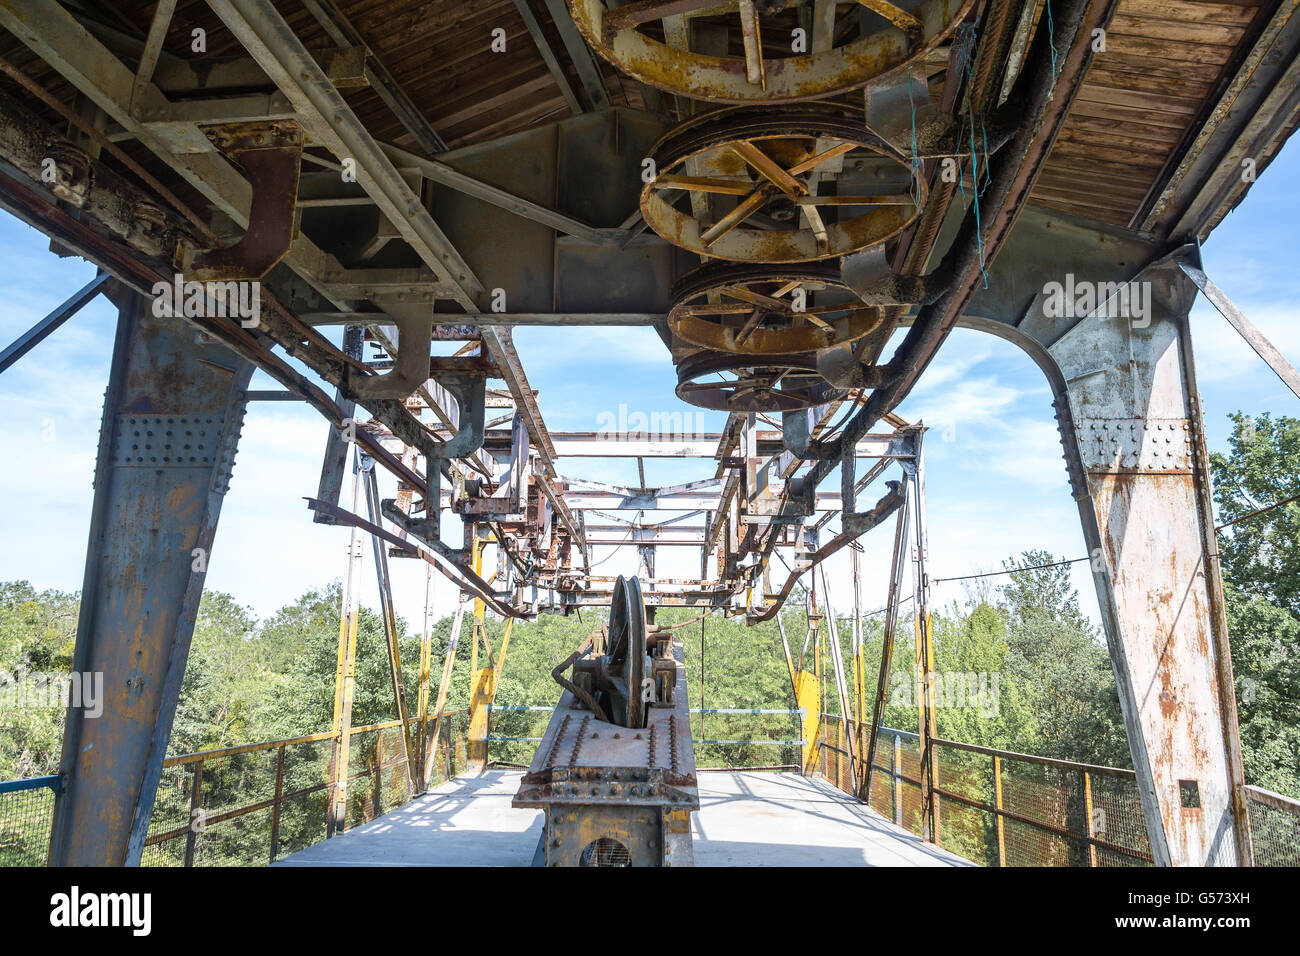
(26,815)
(1274,827)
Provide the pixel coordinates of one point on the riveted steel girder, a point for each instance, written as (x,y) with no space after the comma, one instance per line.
(172,417)
(1124,386)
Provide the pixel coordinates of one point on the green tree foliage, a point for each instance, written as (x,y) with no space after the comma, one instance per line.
(37,636)
(1053,649)
(1261,570)
(1261,555)
(1033,651)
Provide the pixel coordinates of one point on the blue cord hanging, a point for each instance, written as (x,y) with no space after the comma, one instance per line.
(977,188)
(1051,34)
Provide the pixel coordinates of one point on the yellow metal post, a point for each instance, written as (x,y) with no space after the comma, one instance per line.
(479,708)
(422,696)
(345,675)
(997,802)
(482,681)
(926,727)
(1087,818)
(443,685)
(808,695)
(485,690)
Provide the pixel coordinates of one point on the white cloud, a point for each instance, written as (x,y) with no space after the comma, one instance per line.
(1224,357)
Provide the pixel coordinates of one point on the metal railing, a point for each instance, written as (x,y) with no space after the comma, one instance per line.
(1002,808)
(253,804)
(250,805)
(997,807)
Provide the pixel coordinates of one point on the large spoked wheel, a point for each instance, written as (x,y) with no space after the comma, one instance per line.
(738,383)
(768,310)
(840,48)
(627,649)
(778,185)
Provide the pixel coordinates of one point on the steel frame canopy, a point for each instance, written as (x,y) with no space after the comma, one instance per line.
(434,262)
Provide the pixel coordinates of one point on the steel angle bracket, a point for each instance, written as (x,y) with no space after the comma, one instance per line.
(797,427)
(426,530)
(270,155)
(469,388)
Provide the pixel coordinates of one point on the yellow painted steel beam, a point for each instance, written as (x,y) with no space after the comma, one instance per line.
(808,695)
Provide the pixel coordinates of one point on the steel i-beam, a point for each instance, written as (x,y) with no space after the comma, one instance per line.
(172,418)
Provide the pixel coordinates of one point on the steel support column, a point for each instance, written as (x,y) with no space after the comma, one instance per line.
(1135,436)
(1104,313)
(172,417)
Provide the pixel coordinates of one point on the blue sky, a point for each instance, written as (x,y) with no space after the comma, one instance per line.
(995,479)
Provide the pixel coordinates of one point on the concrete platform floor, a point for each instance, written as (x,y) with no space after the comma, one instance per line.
(745,819)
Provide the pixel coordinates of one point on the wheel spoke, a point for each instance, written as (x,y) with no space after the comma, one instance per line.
(895,15)
(754,298)
(632,15)
(753,37)
(706,184)
(768,168)
(835,151)
(734,218)
(817,226)
(894,199)
(714,309)
(750,325)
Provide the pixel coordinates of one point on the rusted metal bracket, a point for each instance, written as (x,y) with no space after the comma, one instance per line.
(468,385)
(469,388)
(270,155)
(412,362)
(857,522)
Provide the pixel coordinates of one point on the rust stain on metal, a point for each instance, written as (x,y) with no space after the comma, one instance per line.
(786,80)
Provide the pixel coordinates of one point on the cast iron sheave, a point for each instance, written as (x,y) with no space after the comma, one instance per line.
(781,193)
(842,46)
(750,184)
(765,310)
(738,383)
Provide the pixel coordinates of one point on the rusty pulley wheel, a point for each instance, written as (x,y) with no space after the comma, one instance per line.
(794,184)
(764,383)
(763,50)
(627,652)
(768,310)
